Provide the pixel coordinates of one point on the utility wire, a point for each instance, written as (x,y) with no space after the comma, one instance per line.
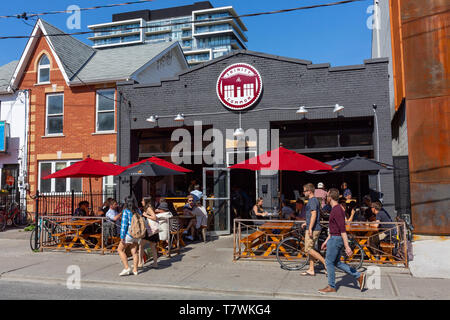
(26,16)
(197,21)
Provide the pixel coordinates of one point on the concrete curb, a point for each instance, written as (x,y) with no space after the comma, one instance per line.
(130,285)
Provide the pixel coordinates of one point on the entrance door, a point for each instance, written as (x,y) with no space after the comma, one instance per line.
(216,197)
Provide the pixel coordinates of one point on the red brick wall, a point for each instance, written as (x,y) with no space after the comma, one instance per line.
(78,124)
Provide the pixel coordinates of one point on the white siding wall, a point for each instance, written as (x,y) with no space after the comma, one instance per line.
(13,111)
(168,65)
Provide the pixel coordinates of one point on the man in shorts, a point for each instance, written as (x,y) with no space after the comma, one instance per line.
(312,228)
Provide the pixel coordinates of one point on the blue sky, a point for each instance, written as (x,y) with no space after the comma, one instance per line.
(338,35)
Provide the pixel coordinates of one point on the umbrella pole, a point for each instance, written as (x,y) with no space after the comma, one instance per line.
(90,191)
(359,187)
(281,189)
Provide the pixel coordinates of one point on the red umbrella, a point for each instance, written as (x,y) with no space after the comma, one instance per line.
(281,159)
(87,168)
(160,162)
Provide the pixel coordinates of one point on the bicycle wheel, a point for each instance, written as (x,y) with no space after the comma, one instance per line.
(356,260)
(33,244)
(2,221)
(291,253)
(18,220)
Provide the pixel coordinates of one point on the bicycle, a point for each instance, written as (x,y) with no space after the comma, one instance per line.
(291,254)
(48,230)
(10,216)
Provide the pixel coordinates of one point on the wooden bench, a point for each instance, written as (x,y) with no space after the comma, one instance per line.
(98,237)
(62,238)
(116,241)
(252,241)
(387,249)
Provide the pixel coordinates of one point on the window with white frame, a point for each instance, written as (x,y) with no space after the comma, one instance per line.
(44,70)
(57,185)
(109,187)
(105,111)
(54,114)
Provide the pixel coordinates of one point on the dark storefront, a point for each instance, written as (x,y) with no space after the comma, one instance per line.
(272,103)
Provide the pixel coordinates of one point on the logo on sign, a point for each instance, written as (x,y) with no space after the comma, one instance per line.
(239,86)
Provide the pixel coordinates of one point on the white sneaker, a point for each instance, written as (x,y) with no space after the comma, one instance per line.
(136,273)
(125,272)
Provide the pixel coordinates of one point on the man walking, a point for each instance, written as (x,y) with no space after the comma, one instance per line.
(312,228)
(337,239)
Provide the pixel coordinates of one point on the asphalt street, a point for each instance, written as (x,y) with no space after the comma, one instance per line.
(18,290)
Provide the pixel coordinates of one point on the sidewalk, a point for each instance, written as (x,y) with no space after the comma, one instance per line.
(207,268)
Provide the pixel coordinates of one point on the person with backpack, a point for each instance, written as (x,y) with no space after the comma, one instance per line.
(131,231)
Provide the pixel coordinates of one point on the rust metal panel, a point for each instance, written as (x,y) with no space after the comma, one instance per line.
(425,38)
(429,160)
(426,48)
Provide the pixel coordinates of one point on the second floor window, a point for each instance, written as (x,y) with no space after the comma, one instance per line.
(55,114)
(44,70)
(105,110)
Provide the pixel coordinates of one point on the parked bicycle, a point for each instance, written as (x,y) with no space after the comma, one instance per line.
(292,256)
(10,215)
(49,229)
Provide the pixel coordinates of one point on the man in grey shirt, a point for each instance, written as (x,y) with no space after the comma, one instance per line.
(312,228)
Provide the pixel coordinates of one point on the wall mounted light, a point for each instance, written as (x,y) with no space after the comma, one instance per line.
(239,132)
(338,108)
(179,117)
(301,110)
(152,119)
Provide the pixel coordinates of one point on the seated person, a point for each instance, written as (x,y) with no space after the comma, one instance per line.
(287,213)
(82,210)
(157,201)
(105,207)
(367,214)
(197,193)
(187,211)
(300,210)
(201,218)
(112,217)
(258,211)
(381,216)
(346,192)
(163,206)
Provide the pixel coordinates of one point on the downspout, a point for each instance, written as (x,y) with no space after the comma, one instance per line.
(119,131)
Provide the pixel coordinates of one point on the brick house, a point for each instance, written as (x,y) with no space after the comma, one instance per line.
(73,100)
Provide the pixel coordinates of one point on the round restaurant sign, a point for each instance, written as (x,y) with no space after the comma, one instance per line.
(239,86)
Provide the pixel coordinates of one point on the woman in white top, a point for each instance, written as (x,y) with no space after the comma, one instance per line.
(201,217)
(153,239)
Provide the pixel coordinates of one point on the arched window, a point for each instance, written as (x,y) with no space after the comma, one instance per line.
(44,70)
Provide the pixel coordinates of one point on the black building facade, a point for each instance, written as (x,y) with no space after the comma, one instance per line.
(287,84)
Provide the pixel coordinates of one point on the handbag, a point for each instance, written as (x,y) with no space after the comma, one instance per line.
(154,227)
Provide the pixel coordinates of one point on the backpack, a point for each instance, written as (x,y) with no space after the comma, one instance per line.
(137,228)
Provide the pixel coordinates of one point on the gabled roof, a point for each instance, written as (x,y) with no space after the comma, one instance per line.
(119,63)
(77,60)
(6,72)
(73,53)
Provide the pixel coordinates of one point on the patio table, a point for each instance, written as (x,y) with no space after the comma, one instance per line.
(284,228)
(78,226)
(362,233)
